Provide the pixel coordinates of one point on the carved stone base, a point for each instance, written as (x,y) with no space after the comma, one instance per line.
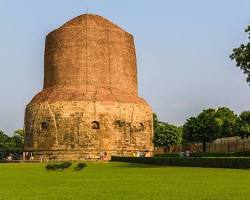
(79,130)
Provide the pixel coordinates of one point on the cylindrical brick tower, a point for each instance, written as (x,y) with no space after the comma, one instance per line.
(89,104)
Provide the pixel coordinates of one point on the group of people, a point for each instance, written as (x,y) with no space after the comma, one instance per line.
(139,154)
(103,155)
(9,157)
(186,153)
(28,156)
(24,156)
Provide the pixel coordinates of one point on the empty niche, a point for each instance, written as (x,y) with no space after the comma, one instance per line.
(142,128)
(119,123)
(95,125)
(44,126)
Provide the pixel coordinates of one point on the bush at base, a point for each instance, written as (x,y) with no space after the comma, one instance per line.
(167,155)
(60,167)
(207,154)
(80,166)
(65,165)
(233,162)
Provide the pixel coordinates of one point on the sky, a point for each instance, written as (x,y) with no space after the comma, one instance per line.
(182,47)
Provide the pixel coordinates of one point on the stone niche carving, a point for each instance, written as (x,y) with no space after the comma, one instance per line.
(95,125)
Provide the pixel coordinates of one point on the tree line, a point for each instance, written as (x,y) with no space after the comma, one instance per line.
(11,145)
(206,127)
(211,123)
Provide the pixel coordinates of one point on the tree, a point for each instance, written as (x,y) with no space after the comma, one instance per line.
(243,125)
(202,129)
(19,138)
(4,144)
(242,56)
(191,129)
(3,137)
(227,123)
(167,135)
(155,121)
(13,145)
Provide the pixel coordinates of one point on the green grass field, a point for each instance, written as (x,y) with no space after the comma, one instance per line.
(123,181)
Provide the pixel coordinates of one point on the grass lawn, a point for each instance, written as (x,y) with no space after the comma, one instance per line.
(123,181)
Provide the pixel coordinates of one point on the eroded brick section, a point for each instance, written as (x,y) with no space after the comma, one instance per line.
(90,102)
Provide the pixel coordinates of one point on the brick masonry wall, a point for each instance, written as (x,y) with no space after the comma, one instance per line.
(89,103)
(91,52)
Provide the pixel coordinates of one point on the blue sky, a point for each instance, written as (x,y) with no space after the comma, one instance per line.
(182,48)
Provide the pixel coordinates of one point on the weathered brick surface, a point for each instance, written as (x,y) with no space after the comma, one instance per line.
(90,80)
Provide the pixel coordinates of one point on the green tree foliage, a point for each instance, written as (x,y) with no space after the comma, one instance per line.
(243,124)
(242,56)
(11,145)
(155,121)
(4,140)
(191,130)
(167,135)
(201,129)
(227,121)
(19,138)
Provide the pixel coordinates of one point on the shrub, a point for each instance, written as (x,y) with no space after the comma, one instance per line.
(212,154)
(56,166)
(222,154)
(167,155)
(233,162)
(242,154)
(49,167)
(80,166)
(65,165)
